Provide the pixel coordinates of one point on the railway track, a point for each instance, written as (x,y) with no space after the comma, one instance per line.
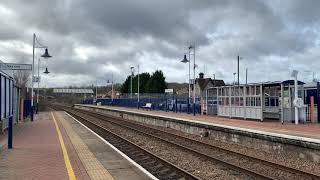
(254,167)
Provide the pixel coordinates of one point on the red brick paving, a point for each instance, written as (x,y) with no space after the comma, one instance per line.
(37,153)
(305,130)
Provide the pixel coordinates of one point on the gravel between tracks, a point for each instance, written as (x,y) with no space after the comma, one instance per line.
(285,160)
(244,162)
(196,165)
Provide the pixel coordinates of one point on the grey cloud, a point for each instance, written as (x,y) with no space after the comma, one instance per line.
(303,13)
(155,33)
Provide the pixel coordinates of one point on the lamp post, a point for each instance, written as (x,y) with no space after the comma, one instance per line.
(295,101)
(313,79)
(96,90)
(45,55)
(108,82)
(38,81)
(131,82)
(239,69)
(234,78)
(185,60)
(246,76)
(112,88)
(138,87)
(194,77)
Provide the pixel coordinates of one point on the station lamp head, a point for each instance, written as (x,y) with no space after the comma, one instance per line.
(46,54)
(185,60)
(132,71)
(46,71)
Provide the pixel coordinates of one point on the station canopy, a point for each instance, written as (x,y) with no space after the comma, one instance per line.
(73,91)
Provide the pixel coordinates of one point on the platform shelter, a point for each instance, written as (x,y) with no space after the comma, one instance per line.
(255,101)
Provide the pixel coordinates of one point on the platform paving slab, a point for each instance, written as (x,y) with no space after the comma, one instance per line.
(4,135)
(118,167)
(37,154)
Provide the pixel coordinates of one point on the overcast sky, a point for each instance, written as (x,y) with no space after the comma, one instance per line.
(91,39)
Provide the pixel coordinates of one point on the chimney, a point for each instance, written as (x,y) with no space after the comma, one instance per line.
(201,75)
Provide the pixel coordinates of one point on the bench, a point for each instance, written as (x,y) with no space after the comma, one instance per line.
(147,106)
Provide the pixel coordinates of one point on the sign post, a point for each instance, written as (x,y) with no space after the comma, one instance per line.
(170,91)
(10,128)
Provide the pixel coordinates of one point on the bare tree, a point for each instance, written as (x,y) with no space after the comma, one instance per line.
(22,78)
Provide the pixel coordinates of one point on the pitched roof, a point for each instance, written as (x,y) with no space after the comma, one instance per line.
(218,82)
(203,82)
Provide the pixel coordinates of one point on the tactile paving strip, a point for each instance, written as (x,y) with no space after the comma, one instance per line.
(93,167)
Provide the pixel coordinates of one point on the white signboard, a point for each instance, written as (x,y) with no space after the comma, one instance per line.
(168,90)
(13,66)
(36,79)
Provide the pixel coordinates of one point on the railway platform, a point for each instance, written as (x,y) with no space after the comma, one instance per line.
(307,130)
(299,142)
(57,146)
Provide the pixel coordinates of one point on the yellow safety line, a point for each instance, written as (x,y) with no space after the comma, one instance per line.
(64,151)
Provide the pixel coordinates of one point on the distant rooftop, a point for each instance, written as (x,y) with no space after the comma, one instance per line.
(73,91)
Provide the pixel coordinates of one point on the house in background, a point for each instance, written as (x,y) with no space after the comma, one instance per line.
(201,86)
(183,91)
(115,94)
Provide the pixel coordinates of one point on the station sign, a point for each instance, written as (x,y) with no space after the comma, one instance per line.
(168,90)
(36,79)
(14,66)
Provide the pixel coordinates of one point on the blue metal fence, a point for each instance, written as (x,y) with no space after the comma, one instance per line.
(172,104)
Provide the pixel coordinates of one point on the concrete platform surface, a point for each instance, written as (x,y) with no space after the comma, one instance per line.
(55,146)
(307,130)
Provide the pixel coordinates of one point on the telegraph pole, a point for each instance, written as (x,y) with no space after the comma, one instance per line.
(238,69)
(138,86)
(131,82)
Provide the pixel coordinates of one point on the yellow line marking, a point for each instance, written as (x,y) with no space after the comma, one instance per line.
(93,166)
(64,151)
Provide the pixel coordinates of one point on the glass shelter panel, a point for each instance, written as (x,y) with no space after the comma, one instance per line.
(258,89)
